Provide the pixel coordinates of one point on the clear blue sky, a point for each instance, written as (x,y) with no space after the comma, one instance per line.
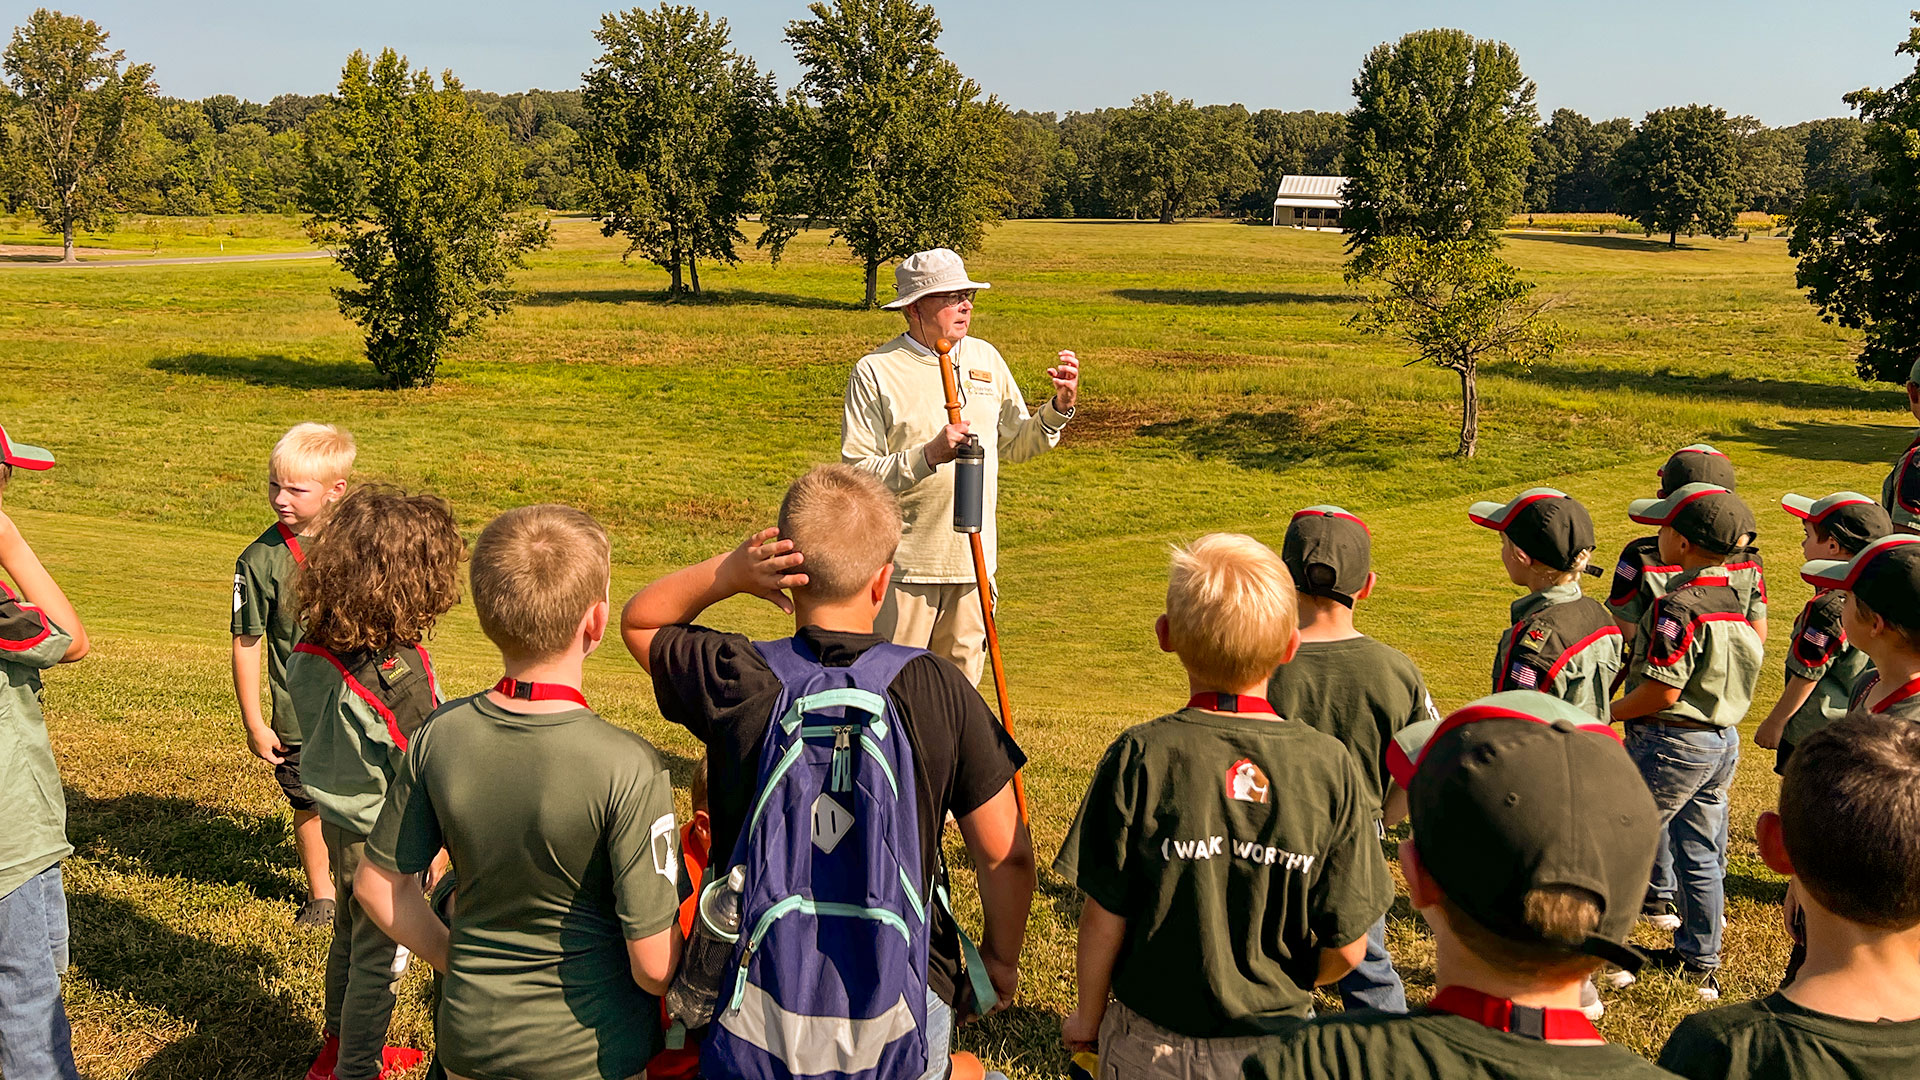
(1781,61)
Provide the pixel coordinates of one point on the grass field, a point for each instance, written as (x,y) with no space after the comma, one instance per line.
(1222,391)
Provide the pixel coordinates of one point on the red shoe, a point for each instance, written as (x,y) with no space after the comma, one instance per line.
(329,1056)
(398,1059)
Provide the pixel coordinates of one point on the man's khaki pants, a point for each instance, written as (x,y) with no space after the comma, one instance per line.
(943,619)
(1135,1048)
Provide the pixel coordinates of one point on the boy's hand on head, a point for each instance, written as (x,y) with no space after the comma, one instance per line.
(759,567)
(265,745)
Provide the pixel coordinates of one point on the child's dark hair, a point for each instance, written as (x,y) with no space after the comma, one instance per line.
(384,570)
(1848,547)
(6,475)
(1850,817)
(1908,633)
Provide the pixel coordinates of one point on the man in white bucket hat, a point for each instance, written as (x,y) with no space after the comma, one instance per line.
(895,427)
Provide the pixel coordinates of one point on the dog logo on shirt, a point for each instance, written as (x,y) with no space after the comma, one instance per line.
(1247,783)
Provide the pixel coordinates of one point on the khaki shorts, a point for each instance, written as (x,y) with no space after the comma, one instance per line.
(943,619)
(1134,1048)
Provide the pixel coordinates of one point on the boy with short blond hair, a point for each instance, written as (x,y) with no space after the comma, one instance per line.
(1229,856)
(39,629)
(1847,835)
(306,473)
(1359,690)
(563,940)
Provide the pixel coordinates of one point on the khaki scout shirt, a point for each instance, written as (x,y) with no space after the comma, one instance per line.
(895,404)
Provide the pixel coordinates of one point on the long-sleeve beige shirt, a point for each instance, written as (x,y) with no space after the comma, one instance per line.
(896,404)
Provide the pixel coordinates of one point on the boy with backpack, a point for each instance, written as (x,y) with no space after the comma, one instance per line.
(1359,690)
(833,759)
(1230,857)
(1847,835)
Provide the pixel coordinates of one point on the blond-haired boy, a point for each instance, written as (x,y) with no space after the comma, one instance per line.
(306,473)
(1229,856)
(562,940)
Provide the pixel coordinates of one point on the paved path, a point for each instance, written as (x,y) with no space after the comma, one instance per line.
(196,260)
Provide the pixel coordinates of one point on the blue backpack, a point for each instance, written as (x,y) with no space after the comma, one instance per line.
(830,973)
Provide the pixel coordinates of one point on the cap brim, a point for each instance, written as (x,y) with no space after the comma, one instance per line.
(1798,505)
(1487,515)
(22,456)
(1643,511)
(900,302)
(1826,573)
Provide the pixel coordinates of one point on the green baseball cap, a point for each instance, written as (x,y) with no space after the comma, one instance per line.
(1913,374)
(1847,516)
(1885,575)
(1329,552)
(22,456)
(1520,791)
(1706,514)
(1695,464)
(1550,526)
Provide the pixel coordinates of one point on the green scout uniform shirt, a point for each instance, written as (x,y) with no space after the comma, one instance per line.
(1424,1045)
(1697,638)
(1819,651)
(1900,492)
(1640,578)
(356,715)
(263,605)
(1359,691)
(1235,848)
(1563,645)
(1771,1038)
(1903,703)
(561,830)
(33,809)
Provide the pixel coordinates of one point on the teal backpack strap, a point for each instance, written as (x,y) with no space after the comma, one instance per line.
(677,1036)
(984,995)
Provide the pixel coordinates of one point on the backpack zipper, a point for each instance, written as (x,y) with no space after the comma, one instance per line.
(817,909)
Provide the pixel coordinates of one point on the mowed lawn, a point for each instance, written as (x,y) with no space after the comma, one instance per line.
(1223,390)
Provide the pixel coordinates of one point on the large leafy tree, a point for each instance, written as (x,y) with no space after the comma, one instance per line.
(422,201)
(1680,172)
(73,130)
(1859,248)
(675,134)
(1571,156)
(883,140)
(1454,303)
(1439,139)
(1168,159)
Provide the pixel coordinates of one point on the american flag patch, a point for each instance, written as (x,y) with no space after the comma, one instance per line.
(1627,570)
(1524,675)
(1669,627)
(1816,637)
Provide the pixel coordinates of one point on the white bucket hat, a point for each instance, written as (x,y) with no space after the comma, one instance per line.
(926,272)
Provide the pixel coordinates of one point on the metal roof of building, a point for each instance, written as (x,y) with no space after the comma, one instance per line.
(1310,191)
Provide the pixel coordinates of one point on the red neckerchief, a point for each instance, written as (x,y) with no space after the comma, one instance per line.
(1230,703)
(1500,1014)
(293,543)
(539,691)
(1911,687)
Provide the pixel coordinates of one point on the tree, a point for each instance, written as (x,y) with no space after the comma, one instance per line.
(420,198)
(1454,303)
(1680,172)
(1771,166)
(1571,156)
(884,140)
(1300,143)
(1029,148)
(1076,188)
(71,136)
(1169,159)
(676,126)
(1439,140)
(1859,251)
(1835,159)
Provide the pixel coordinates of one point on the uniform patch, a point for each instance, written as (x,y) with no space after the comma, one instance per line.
(1670,628)
(1433,711)
(1247,782)
(1627,570)
(1538,633)
(661,841)
(980,376)
(239,591)
(1525,676)
(1816,637)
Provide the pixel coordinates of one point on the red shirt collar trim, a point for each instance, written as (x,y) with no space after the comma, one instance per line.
(1500,1014)
(1910,688)
(1230,703)
(539,691)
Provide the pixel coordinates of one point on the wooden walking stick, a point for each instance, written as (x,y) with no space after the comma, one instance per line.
(985,583)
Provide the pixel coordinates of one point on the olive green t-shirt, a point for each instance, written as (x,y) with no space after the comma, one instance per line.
(1426,1045)
(1818,650)
(1771,1038)
(1361,692)
(561,830)
(33,809)
(1235,848)
(263,606)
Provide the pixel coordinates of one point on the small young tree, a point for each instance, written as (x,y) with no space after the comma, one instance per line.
(676,128)
(1454,303)
(71,136)
(884,139)
(1171,160)
(1680,172)
(422,201)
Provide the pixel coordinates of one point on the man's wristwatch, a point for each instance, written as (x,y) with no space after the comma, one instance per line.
(1067,413)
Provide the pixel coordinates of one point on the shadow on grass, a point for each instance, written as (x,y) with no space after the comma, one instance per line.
(1021,1033)
(1275,441)
(1769,892)
(1596,240)
(164,836)
(1858,443)
(1806,395)
(1229,298)
(710,298)
(240,1029)
(273,369)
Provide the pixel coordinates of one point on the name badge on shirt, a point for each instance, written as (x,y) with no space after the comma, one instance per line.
(980,376)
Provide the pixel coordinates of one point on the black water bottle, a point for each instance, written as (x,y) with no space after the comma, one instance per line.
(969,486)
(694,995)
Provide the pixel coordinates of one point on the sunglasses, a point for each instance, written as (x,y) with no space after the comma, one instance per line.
(950,299)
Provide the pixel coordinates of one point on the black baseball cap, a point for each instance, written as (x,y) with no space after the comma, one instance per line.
(1885,575)
(1712,517)
(1520,791)
(1329,552)
(1550,526)
(1696,464)
(1847,516)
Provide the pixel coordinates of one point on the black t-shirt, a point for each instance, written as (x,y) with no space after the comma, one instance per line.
(1426,1045)
(719,687)
(1771,1038)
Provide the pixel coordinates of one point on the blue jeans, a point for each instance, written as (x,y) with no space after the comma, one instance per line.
(35,1040)
(1373,984)
(1689,773)
(939,1037)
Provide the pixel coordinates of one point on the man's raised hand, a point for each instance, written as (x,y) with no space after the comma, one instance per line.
(760,565)
(1066,381)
